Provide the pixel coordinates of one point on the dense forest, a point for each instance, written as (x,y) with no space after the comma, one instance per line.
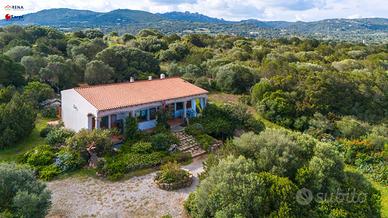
(329,100)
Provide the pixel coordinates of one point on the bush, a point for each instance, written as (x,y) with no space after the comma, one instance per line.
(49,172)
(195,129)
(142,148)
(180,157)
(163,141)
(22,195)
(42,155)
(115,167)
(57,136)
(351,128)
(205,141)
(68,160)
(17,119)
(172,173)
(131,128)
(254,125)
(44,132)
(100,139)
(49,112)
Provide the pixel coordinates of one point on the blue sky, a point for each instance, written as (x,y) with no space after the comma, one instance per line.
(290,10)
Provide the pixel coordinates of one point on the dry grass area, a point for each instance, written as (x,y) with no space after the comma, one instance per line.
(135,197)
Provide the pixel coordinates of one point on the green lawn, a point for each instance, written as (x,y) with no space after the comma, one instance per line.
(11,153)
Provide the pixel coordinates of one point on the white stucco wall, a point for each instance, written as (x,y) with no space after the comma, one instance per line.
(75,110)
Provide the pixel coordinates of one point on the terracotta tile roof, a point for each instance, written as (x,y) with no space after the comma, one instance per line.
(119,95)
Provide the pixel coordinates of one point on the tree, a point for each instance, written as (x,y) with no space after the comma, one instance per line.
(273,151)
(93,33)
(22,195)
(88,48)
(59,75)
(32,65)
(235,78)
(279,107)
(18,52)
(128,62)
(6,94)
(38,92)
(233,189)
(11,73)
(97,72)
(16,120)
(259,89)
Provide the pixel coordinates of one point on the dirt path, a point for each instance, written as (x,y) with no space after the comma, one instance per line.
(135,197)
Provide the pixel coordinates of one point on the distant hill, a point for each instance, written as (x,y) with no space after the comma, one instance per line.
(125,20)
(192,17)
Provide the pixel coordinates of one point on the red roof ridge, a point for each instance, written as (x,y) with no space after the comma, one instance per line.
(127,82)
(126,94)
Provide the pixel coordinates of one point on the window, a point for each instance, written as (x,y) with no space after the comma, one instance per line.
(179,106)
(188,105)
(141,115)
(153,113)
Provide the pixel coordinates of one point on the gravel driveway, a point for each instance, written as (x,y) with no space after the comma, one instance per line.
(135,197)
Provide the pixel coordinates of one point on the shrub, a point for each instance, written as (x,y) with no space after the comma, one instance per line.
(131,128)
(172,173)
(68,160)
(205,141)
(180,157)
(163,141)
(22,195)
(49,172)
(100,139)
(195,129)
(44,132)
(351,128)
(142,148)
(57,136)
(16,120)
(42,155)
(115,167)
(254,125)
(161,122)
(49,112)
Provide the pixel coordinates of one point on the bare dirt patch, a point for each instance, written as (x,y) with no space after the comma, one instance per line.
(135,197)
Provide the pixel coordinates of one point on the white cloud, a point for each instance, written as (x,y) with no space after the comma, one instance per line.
(291,10)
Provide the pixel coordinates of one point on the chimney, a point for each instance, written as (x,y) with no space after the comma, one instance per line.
(131,79)
(162,76)
(149,77)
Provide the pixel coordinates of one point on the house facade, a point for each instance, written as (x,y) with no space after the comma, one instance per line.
(107,106)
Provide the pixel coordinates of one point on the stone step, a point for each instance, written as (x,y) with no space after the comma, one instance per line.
(189,144)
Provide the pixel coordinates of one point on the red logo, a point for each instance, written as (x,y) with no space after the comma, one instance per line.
(8,17)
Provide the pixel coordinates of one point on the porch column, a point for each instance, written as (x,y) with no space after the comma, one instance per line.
(109,121)
(148,114)
(184,109)
(98,120)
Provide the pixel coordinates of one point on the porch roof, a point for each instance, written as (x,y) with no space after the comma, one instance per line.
(120,95)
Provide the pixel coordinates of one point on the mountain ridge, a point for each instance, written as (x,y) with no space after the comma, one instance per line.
(126,20)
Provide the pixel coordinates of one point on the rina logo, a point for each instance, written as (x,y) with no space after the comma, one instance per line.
(13,7)
(10,17)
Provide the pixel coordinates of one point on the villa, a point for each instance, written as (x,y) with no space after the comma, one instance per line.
(106,106)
